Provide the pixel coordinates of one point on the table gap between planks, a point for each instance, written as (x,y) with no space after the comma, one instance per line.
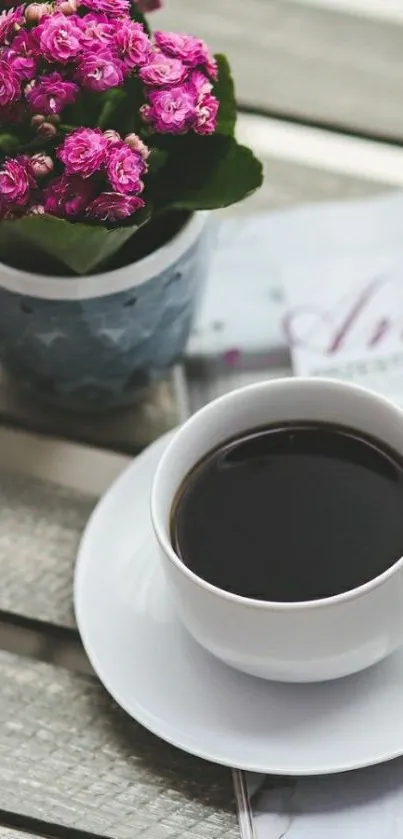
(71,763)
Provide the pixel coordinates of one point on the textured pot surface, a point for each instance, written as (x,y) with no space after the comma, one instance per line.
(92,343)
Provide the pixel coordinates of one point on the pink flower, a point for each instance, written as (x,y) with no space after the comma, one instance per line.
(100,71)
(132,44)
(146,6)
(59,38)
(162,70)
(68,196)
(9,21)
(96,30)
(201,84)
(24,67)
(211,67)
(171,111)
(21,55)
(192,51)
(124,169)
(16,181)
(9,83)
(109,7)
(25,43)
(83,152)
(113,206)
(50,94)
(206,115)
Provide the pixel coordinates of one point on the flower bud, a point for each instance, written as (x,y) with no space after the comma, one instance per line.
(35,11)
(37,120)
(36,210)
(41,165)
(136,144)
(47,129)
(112,136)
(68,7)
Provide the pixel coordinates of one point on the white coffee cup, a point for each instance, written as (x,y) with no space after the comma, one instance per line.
(293,642)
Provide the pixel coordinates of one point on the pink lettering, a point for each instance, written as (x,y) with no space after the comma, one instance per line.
(319,319)
(352,316)
(292,319)
(381,328)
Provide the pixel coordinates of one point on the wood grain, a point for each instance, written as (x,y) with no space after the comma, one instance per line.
(305,62)
(128,430)
(40,528)
(69,756)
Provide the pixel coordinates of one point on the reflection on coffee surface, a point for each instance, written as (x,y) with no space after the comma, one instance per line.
(292,512)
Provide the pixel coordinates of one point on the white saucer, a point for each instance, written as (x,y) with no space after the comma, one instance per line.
(163,679)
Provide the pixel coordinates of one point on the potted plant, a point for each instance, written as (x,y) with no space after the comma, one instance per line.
(114,141)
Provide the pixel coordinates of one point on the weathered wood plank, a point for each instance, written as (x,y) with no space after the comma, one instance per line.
(312,63)
(128,430)
(40,528)
(87,469)
(71,757)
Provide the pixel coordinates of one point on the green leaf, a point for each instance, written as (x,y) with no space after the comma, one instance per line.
(8,143)
(112,101)
(128,117)
(224,90)
(85,110)
(205,173)
(238,174)
(80,248)
(156,161)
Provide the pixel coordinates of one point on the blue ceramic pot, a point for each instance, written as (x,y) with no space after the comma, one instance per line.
(92,343)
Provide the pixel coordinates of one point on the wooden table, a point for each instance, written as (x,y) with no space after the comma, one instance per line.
(71,763)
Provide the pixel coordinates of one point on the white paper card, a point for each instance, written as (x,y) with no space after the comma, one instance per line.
(344,319)
(341,267)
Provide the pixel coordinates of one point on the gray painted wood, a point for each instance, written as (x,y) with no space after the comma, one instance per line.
(40,528)
(312,63)
(127,430)
(71,757)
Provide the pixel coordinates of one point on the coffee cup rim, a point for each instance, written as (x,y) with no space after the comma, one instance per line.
(240,600)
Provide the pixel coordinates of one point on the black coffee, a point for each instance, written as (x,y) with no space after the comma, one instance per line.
(291,513)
